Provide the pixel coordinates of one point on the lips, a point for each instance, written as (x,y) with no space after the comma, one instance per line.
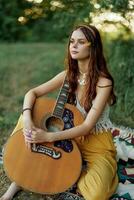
(74,52)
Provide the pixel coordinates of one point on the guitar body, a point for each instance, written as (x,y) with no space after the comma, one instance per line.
(47,168)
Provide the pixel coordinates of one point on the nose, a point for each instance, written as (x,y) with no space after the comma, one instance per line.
(75,44)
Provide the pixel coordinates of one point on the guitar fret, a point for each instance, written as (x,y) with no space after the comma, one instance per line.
(58,110)
(60,107)
(66,84)
(61,100)
(57,113)
(64,90)
(63,94)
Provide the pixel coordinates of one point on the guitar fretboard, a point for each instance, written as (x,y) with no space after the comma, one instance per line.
(61,100)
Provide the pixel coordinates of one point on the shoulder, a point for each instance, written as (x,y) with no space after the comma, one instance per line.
(104,82)
(61,76)
(104,86)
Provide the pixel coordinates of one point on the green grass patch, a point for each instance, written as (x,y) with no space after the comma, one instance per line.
(24,66)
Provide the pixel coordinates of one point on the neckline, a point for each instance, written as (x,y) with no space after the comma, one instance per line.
(79,102)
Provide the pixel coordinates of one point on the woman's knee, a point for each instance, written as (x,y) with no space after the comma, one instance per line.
(91,190)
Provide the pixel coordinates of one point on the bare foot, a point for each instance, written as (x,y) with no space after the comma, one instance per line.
(11,191)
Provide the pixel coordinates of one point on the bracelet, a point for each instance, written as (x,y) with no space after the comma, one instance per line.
(26,109)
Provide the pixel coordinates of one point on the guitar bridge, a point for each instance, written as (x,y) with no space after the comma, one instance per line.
(38,148)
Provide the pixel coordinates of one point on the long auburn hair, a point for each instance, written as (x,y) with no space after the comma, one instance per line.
(96,67)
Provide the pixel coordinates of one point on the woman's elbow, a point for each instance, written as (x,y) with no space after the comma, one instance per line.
(31,92)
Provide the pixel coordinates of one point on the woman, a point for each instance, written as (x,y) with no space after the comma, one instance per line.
(91,90)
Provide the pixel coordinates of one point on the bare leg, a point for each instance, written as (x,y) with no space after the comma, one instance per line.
(11,191)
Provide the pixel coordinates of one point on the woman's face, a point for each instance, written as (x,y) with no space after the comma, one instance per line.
(79,46)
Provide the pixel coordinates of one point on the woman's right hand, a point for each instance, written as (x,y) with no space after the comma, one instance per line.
(28,127)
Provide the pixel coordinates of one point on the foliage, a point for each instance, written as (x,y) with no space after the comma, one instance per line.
(52,19)
(9,13)
(115,5)
(121,61)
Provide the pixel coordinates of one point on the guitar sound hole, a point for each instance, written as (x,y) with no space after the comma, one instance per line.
(54,124)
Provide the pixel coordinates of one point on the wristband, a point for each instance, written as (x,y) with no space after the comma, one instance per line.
(26,109)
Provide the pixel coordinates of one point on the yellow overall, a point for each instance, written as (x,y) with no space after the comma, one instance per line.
(99,180)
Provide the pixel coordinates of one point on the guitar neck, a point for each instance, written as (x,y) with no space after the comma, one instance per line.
(61,100)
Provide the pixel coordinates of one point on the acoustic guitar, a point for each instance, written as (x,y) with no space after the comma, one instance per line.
(48,168)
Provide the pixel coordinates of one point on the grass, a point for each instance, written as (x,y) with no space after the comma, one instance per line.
(23,66)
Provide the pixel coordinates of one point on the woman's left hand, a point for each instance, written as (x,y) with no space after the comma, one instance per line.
(38,135)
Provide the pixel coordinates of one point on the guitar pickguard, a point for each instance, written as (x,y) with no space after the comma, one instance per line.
(68,119)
